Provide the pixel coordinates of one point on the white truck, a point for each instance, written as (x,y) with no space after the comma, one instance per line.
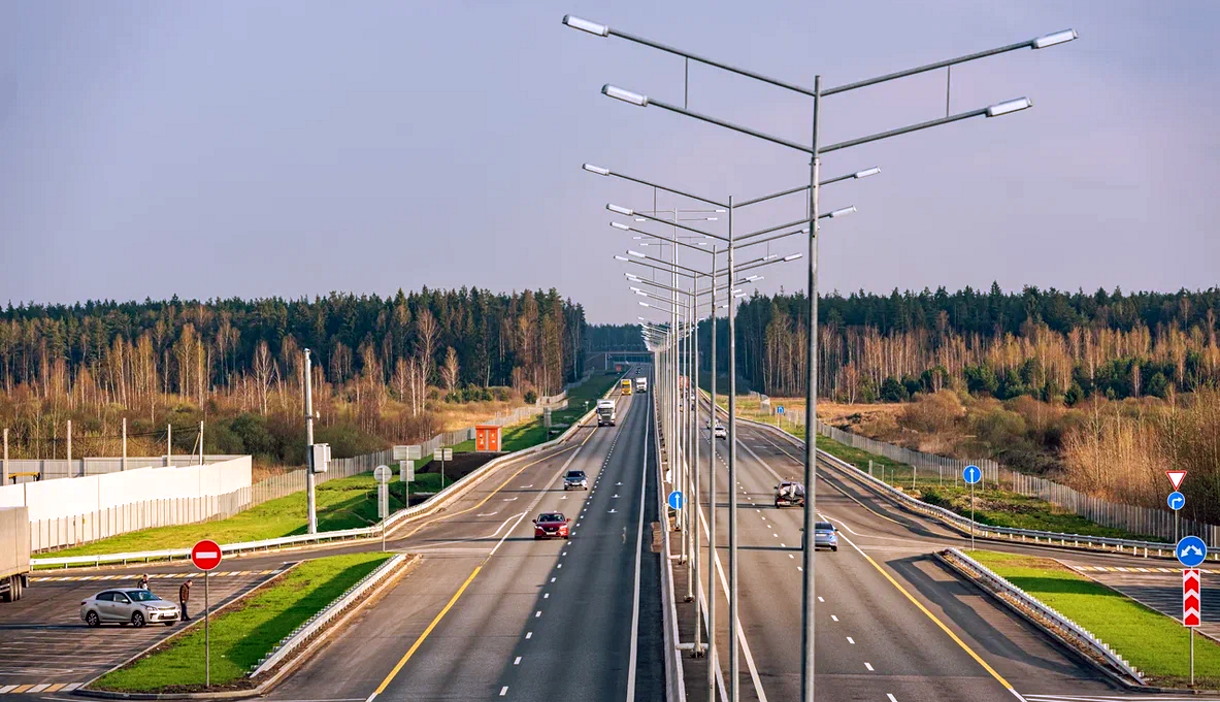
(606,415)
(641,384)
(14,552)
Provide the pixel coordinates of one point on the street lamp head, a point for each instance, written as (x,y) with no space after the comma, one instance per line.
(1008,106)
(637,254)
(843,212)
(632,277)
(595,169)
(644,304)
(620,225)
(625,95)
(792,257)
(620,210)
(585,25)
(1054,38)
(621,258)
(867,172)
(770,257)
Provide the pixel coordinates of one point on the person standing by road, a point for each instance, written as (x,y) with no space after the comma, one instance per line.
(184,596)
(143,583)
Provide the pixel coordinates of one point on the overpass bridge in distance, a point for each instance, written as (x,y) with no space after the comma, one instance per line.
(605,359)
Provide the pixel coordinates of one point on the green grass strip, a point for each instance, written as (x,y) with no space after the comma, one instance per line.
(247,631)
(1153,643)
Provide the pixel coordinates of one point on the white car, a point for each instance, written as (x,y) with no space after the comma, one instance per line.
(721,431)
(128,606)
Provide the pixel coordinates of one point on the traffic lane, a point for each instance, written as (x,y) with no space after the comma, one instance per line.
(452,549)
(45,641)
(1019,655)
(860,649)
(577,643)
(500,602)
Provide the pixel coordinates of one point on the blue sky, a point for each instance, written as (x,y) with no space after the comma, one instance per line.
(294,148)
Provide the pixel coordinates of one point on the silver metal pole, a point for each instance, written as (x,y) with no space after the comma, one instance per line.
(711,513)
(734,660)
(693,415)
(808,586)
(311,501)
(207,633)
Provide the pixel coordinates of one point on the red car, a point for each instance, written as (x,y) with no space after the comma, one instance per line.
(551,525)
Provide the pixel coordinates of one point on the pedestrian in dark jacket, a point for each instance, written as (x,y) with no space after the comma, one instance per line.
(184,596)
(143,583)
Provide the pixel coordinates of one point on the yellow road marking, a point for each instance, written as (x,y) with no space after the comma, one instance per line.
(56,687)
(419,642)
(21,688)
(978,659)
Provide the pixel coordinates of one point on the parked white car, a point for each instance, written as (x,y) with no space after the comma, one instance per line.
(128,606)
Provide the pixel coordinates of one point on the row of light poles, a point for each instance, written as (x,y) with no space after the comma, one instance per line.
(810,225)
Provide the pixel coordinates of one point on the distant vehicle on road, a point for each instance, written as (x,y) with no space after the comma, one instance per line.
(575,480)
(551,525)
(824,536)
(128,606)
(14,552)
(641,384)
(606,414)
(721,431)
(790,494)
(625,386)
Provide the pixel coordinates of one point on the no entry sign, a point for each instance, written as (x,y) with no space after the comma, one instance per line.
(1192,597)
(206,554)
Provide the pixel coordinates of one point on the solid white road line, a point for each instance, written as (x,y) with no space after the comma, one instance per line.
(639,548)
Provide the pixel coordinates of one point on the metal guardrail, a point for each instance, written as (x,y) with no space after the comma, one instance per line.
(433,504)
(675,678)
(1060,623)
(305,632)
(965,524)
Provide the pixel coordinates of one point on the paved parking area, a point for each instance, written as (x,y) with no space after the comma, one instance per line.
(1160,587)
(47,648)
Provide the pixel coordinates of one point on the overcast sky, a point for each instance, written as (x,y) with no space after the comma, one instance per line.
(220,149)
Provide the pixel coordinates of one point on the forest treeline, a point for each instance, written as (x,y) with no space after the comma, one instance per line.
(1050,345)
(140,359)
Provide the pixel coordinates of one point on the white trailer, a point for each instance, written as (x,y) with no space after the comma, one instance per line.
(14,552)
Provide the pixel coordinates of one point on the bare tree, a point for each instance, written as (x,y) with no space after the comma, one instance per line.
(264,372)
(450,370)
(429,330)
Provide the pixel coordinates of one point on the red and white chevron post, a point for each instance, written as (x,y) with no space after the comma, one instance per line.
(1192,597)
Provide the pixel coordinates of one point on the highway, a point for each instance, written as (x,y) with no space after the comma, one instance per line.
(891,623)
(493,614)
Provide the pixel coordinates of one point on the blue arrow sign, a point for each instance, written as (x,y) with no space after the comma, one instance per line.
(675,499)
(1191,551)
(779,409)
(972,474)
(1176,500)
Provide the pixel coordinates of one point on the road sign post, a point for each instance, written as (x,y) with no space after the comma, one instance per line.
(675,500)
(206,556)
(406,474)
(1192,610)
(444,454)
(382,475)
(972,474)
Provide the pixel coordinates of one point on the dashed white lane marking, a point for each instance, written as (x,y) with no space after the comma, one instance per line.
(783,545)
(791,556)
(537,614)
(851,641)
(820,599)
(504,691)
(833,618)
(517,661)
(552,579)
(559,565)
(529,634)
(868,665)
(890,697)
(546,595)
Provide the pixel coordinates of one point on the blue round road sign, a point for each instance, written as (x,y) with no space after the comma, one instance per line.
(1176,500)
(972,474)
(675,499)
(1191,551)
(779,409)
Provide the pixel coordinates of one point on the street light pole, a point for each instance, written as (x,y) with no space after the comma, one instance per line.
(711,501)
(734,663)
(808,580)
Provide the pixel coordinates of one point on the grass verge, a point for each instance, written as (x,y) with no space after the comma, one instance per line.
(244,633)
(345,503)
(1153,643)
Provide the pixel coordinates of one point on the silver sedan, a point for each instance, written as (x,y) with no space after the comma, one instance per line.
(128,606)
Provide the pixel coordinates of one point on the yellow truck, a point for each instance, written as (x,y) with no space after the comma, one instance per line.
(625,386)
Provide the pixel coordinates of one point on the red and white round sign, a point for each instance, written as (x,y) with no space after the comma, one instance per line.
(206,554)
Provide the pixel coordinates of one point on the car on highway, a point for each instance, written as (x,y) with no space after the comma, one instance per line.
(128,606)
(825,536)
(720,431)
(789,494)
(575,480)
(551,525)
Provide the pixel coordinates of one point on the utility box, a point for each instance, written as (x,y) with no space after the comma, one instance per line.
(487,437)
(320,457)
